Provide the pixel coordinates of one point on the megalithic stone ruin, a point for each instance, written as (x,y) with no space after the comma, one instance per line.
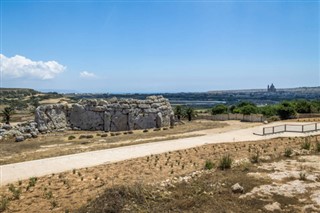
(106,115)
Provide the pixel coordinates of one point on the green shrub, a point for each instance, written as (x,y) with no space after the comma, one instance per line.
(255,158)
(4,202)
(302,176)
(209,165)
(145,130)
(15,191)
(225,162)
(54,204)
(273,118)
(32,181)
(288,152)
(306,145)
(48,195)
(219,109)
(318,146)
(82,136)
(104,135)
(71,137)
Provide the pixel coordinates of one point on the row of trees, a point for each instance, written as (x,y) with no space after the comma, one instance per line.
(285,109)
(184,112)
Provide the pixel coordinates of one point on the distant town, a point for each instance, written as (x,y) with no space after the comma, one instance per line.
(270,95)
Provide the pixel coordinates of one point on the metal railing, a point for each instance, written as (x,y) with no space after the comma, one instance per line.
(291,128)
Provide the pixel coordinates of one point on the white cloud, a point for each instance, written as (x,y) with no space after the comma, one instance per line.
(22,67)
(86,74)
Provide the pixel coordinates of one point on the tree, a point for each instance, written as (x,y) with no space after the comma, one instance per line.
(245,103)
(268,111)
(286,110)
(232,108)
(302,106)
(248,109)
(178,111)
(7,112)
(190,113)
(34,101)
(219,109)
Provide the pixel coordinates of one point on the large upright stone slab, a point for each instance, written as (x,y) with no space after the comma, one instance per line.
(107,115)
(49,117)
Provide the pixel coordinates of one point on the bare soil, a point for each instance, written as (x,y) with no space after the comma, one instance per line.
(59,143)
(71,190)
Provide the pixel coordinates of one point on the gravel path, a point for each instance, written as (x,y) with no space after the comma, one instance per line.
(24,170)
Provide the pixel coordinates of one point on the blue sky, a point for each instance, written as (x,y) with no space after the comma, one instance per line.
(159,46)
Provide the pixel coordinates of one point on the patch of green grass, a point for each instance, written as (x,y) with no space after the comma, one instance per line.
(302,176)
(208,165)
(71,137)
(48,195)
(4,202)
(225,162)
(288,152)
(306,144)
(16,192)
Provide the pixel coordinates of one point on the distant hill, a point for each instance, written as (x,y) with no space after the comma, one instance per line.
(297,89)
(25,91)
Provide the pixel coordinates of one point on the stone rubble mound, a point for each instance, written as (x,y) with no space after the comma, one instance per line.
(20,132)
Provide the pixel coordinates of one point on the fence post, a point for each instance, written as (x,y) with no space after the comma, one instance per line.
(264,131)
(302,128)
(316,126)
(273,130)
(285,127)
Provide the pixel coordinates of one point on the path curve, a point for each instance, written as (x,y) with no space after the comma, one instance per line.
(24,170)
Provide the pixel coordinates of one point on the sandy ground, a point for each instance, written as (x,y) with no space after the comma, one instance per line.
(20,171)
(69,190)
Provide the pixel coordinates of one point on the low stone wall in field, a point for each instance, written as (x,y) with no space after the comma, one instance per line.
(241,117)
(106,115)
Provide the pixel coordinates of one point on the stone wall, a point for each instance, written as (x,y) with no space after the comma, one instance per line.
(241,117)
(106,115)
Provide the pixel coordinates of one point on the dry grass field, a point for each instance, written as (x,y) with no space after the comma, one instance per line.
(70,142)
(154,182)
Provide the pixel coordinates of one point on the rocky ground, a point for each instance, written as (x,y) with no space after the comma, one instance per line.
(273,175)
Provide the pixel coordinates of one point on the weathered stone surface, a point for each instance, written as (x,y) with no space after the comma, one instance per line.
(19,138)
(6,126)
(111,115)
(236,188)
(50,117)
(86,119)
(12,133)
(28,135)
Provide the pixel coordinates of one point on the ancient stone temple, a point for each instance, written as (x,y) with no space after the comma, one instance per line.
(106,115)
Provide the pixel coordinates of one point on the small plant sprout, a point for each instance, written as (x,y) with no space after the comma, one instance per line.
(225,162)
(306,144)
(288,152)
(32,181)
(302,176)
(208,165)
(255,158)
(15,191)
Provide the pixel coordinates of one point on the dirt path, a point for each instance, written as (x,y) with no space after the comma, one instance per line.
(19,171)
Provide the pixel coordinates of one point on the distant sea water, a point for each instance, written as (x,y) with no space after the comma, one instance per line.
(195,103)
